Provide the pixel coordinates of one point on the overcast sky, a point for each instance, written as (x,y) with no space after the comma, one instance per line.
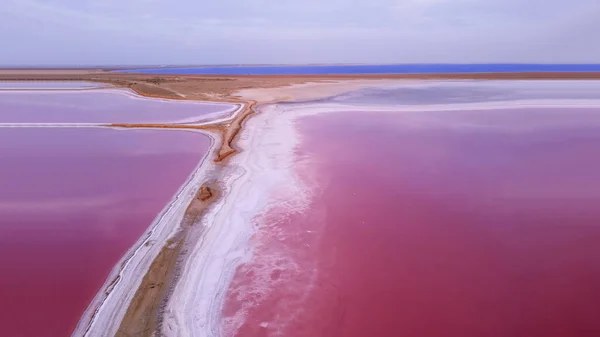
(84,32)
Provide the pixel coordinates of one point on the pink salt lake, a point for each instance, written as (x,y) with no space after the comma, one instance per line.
(434,223)
(101,106)
(74,200)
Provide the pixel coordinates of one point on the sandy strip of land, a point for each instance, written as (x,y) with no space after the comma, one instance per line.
(173,282)
(136,286)
(252,180)
(253,89)
(224,88)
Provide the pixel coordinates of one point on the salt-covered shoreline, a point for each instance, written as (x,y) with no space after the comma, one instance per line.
(105,313)
(251,183)
(251,179)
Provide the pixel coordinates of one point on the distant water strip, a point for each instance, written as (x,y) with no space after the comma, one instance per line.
(371,69)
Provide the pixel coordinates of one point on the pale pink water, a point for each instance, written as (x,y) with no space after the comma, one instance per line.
(72,202)
(100,106)
(472,223)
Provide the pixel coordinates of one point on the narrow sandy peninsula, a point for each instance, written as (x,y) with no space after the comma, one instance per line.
(175,280)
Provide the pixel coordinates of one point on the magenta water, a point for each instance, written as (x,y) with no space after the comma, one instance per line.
(440,223)
(72,202)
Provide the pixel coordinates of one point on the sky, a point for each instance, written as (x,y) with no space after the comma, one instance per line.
(157,32)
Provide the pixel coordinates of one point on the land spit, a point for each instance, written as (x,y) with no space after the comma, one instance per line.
(142,311)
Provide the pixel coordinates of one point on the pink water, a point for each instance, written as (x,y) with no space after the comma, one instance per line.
(472,223)
(100,106)
(72,202)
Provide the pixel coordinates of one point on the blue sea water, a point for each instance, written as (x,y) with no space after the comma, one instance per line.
(372,69)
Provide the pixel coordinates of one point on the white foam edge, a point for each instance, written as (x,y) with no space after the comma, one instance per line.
(265,163)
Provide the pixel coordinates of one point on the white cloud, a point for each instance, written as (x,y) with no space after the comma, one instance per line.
(261,31)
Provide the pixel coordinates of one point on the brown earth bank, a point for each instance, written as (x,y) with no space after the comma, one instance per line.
(225,88)
(222,88)
(143,316)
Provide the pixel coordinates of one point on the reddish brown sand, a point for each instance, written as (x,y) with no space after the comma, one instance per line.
(434,224)
(72,202)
